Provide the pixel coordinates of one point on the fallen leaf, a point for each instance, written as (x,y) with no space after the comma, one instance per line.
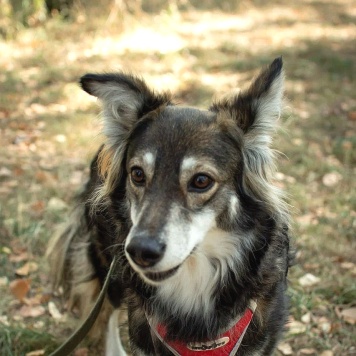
(349,315)
(19,288)
(4,320)
(36,353)
(331,179)
(4,281)
(327,353)
(308,280)
(311,266)
(36,300)
(83,351)
(38,207)
(296,327)
(347,265)
(306,318)
(5,172)
(6,250)
(56,204)
(352,115)
(27,311)
(27,268)
(307,352)
(45,297)
(324,324)
(39,324)
(60,138)
(53,310)
(285,348)
(23,256)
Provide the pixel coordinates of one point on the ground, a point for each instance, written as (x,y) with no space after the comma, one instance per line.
(49,131)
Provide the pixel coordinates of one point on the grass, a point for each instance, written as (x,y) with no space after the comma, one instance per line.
(19,341)
(49,131)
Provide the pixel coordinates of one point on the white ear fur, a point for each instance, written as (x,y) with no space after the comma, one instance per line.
(255,112)
(267,104)
(120,110)
(125,99)
(267,109)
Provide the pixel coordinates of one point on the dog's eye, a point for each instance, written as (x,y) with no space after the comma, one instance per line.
(200,183)
(137,176)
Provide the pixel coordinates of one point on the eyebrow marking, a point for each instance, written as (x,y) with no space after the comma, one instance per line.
(149,158)
(189,163)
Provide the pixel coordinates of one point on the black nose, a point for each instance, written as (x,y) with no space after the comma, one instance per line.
(145,251)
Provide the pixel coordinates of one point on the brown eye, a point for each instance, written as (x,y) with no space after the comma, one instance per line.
(138,176)
(200,183)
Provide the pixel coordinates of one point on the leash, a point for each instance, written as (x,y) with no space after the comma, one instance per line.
(67,347)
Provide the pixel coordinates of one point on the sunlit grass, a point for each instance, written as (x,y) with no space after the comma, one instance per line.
(49,128)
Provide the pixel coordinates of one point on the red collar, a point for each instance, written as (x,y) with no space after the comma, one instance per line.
(226,344)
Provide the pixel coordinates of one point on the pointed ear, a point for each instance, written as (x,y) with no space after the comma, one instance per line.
(257,108)
(125,99)
(255,112)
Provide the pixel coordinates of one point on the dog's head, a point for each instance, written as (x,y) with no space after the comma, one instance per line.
(189,172)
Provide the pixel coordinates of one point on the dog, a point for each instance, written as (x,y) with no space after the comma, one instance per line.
(185,199)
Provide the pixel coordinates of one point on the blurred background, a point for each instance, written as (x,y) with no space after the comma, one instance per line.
(198,50)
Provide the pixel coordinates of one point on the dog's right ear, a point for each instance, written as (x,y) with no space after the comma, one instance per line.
(125,100)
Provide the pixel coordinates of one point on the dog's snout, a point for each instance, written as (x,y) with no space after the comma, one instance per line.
(145,251)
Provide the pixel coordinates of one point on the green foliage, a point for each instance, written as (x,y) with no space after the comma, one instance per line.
(16,341)
(27,11)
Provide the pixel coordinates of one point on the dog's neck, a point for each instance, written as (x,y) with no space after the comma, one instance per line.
(227,342)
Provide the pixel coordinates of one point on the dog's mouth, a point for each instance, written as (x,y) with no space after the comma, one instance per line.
(161,276)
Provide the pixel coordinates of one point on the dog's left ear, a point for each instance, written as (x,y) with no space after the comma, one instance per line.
(256,112)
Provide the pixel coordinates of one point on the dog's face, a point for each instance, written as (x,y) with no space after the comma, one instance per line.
(181,169)
(184,167)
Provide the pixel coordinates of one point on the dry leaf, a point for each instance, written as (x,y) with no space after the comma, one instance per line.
(4,281)
(27,268)
(307,352)
(19,288)
(60,138)
(296,327)
(5,172)
(349,315)
(36,300)
(331,179)
(38,207)
(83,351)
(6,250)
(39,324)
(306,318)
(327,353)
(23,256)
(285,348)
(53,310)
(352,115)
(56,204)
(27,311)
(45,297)
(36,353)
(4,320)
(308,280)
(347,265)
(324,324)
